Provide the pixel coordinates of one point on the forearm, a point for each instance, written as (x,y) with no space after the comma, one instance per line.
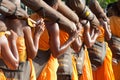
(87,40)
(14,49)
(76,45)
(94,37)
(88,15)
(97,10)
(62,48)
(31,49)
(7,7)
(108,33)
(83,11)
(46,11)
(90,40)
(66,11)
(36,41)
(29,42)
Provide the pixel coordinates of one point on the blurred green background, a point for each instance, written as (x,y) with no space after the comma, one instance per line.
(104,3)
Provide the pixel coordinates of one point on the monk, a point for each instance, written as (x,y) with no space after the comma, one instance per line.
(113,13)
(58,45)
(8,54)
(27,45)
(86,38)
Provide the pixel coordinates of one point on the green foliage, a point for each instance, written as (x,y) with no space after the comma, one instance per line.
(104,3)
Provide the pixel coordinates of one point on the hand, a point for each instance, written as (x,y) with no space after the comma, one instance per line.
(76,34)
(79,26)
(105,24)
(72,29)
(40,26)
(21,14)
(97,31)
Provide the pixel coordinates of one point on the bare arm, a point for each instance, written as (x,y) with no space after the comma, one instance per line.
(55,45)
(89,40)
(45,10)
(83,11)
(97,10)
(107,29)
(8,8)
(32,42)
(65,10)
(10,56)
(76,45)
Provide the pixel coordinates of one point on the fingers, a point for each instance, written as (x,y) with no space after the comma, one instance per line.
(21,14)
(7,33)
(40,26)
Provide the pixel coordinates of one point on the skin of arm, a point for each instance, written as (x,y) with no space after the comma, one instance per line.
(12,9)
(97,10)
(88,39)
(56,48)
(83,12)
(76,45)
(107,29)
(32,42)
(9,56)
(66,11)
(50,13)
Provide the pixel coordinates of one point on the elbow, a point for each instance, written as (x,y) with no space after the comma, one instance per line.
(89,45)
(32,54)
(56,53)
(14,66)
(76,49)
(108,37)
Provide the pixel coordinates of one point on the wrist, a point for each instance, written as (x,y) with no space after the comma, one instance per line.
(37,35)
(73,27)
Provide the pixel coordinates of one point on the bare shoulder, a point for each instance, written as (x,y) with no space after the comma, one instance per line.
(3,41)
(26,28)
(52,26)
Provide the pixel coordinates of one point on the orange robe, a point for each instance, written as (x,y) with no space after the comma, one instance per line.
(2,76)
(116,70)
(23,56)
(104,72)
(115,26)
(50,69)
(74,73)
(87,70)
